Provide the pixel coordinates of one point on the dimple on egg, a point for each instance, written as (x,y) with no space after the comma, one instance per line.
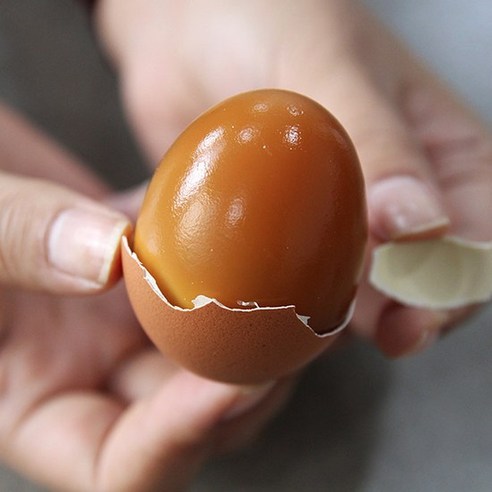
(258,208)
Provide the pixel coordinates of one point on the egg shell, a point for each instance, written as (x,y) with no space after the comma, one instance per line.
(230,345)
(444,273)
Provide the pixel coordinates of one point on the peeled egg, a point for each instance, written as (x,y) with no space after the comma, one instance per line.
(249,244)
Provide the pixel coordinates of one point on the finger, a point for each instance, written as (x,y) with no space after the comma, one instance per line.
(141,375)
(158,442)
(172,434)
(157,113)
(404,200)
(26,151)
(56,240)
(157,123)
(459,147)
(240,431)
(459,150)
(405,331)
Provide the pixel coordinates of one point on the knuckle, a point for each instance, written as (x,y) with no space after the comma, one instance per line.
(11,235)
(19,244)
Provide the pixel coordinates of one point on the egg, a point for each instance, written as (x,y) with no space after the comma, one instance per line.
(249,244)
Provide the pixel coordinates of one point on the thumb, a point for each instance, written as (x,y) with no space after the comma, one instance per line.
(56,240)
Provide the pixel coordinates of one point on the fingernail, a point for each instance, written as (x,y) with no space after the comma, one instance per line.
(250,397)
(83,244)
(404,206)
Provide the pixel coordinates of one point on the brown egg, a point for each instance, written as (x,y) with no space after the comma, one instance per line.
(259,206)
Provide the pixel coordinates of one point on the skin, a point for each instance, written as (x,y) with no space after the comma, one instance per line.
(115,416)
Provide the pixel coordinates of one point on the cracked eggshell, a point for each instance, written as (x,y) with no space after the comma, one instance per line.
(241,346)
(259,202)
(443,273)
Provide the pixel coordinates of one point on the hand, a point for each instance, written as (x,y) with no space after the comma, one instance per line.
(426,158)
(85,403)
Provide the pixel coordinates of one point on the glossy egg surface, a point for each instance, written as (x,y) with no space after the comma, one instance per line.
(260,201)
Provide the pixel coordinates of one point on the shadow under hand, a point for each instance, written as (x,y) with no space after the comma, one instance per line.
(323,439)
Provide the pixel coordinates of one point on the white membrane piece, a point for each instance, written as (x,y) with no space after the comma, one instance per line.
(437,274)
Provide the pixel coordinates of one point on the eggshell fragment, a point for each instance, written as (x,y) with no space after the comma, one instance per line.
(437,274)
(242,346)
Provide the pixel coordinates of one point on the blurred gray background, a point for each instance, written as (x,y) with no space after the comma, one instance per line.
(358,422)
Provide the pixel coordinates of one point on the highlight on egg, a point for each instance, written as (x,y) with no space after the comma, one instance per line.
(250,241)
